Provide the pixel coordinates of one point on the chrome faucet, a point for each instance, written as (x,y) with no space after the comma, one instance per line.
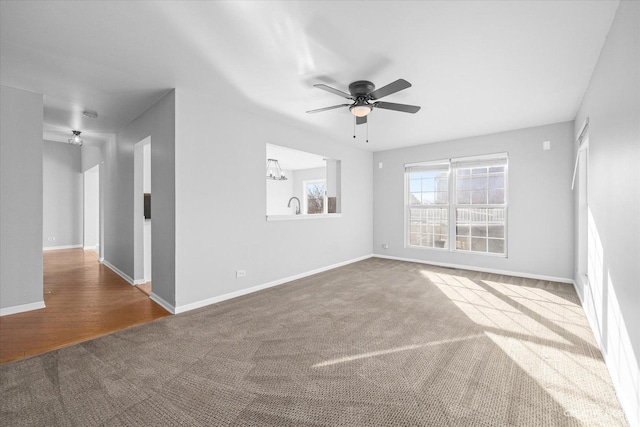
(297,207)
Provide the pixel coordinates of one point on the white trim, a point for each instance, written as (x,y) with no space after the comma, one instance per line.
(302,216)
(139,282)
(584,145)
(213,300)
(56,248)
(117,271)
(162,303)
(459,162)
(585,126)
(443,162)
(484,270)
(21,308)
(91,248)
(101,259)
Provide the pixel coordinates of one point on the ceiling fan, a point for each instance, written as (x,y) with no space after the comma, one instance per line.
(362,93)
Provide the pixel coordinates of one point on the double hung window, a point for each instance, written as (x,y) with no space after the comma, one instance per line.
(462,200)
(428,205)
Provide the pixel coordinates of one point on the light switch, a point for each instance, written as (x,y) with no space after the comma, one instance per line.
(546,145)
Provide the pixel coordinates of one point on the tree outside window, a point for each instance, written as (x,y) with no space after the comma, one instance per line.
(315,197)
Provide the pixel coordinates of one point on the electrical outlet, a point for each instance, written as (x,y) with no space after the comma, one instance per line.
(240,273)
(51,238)
(385,246)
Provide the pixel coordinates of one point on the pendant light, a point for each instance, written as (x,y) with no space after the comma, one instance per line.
(274,171)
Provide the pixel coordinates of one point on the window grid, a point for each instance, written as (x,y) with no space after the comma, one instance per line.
(428,208)
(428,227)
(480,209)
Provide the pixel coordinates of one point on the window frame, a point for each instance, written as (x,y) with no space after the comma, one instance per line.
(454,164)
(407,214)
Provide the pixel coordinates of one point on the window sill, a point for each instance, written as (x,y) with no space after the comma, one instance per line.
(301,217)
(457,251)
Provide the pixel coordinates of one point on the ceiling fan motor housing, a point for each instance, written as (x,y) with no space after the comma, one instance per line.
(361,88)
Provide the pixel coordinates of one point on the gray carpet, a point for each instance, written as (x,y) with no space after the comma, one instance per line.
(375,343)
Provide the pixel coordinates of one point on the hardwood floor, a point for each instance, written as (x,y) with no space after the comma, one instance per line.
(145,287)
(84,300)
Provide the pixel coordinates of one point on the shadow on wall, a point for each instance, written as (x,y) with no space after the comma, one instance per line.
(602,308)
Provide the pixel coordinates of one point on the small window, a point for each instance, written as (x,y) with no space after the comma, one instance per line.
(315,196)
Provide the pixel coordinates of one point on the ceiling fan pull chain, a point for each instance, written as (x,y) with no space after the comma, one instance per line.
(367,131)
(354,126)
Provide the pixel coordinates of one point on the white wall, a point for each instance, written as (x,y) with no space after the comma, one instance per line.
(278,195)
(540,211)
(21,115)
(612,299)
(92,155)
(146,168)
(91,208)
(221,201)
(120,221)
(62,195)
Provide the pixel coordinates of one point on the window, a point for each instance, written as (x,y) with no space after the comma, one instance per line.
(472,214)
(428,205)
(315,196)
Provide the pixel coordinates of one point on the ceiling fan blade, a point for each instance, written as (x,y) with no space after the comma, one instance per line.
(328,108)
(361,120)
(334,91)
(394,87)
(397,107)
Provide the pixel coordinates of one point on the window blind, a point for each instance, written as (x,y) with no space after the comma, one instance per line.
(441,165)
(491,160)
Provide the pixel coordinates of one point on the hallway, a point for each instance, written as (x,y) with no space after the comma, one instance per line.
(84,300)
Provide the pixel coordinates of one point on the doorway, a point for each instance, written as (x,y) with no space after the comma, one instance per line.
(142,215)
(91,220)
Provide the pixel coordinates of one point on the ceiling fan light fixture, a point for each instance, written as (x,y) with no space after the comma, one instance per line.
(360,110)
(365,98)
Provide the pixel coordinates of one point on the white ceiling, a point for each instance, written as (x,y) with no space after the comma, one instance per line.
(477,67)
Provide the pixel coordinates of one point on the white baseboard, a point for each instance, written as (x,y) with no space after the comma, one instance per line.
(482,269)
(213,300)
(162,303)
(21,308)
(90,248)
(117,271)
(139,282)
(55,248)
